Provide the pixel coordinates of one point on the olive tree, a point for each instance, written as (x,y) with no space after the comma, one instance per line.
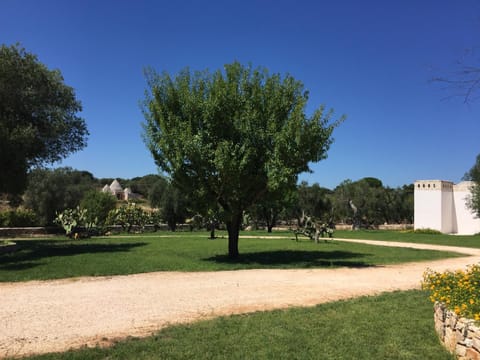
(474,175)
(231,136)
(38,117)
(53,190)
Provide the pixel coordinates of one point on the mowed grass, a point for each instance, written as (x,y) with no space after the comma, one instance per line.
(472,241)
(390,326)
(55,258)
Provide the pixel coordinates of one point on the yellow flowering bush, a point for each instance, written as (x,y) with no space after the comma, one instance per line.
(459,290)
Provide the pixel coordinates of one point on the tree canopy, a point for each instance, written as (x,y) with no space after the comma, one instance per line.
(231,136)
(375,203)
(51,191)
(474,175)
(38,117)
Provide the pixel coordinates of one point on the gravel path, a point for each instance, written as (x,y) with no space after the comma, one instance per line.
(46,316)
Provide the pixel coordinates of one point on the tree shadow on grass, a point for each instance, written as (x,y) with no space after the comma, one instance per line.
(30,253)
(296,259)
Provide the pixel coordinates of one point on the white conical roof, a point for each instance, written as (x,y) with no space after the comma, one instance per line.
(106,189)
(115,186)
(127,190)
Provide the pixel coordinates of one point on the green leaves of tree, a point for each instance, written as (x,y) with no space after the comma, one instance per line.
(474,175)
(38,121)
(231,135)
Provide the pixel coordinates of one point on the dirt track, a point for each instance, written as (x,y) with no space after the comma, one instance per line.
(46,316)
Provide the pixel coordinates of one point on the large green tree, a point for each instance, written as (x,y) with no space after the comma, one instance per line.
(359,202)
(474,175)
(230,136)
(50,191)
(313,200)
(374,203)
(38,117)
(173,207)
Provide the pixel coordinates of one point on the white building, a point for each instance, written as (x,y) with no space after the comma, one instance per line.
(442,205)
(116,190)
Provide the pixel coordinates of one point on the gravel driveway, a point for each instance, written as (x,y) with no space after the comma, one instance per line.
(46,316)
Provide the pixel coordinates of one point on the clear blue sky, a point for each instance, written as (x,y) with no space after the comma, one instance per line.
(371,60)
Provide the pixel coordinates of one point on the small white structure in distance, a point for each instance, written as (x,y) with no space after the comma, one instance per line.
(442,205)
(121,194)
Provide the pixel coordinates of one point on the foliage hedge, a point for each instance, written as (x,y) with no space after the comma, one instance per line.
(18,218)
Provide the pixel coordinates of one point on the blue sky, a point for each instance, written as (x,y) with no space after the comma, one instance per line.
(371,60)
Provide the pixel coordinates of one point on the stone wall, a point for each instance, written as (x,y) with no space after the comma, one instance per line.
(30,231)
(395,227)
(459,335)
(379,227)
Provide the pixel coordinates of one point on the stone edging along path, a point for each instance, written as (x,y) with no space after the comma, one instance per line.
(47,316)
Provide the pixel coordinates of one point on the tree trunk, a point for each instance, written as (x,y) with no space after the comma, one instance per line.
(212,230)
(233,228)
(270,218)
(172,225)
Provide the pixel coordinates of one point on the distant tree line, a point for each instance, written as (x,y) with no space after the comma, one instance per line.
(50,191)
(375,204)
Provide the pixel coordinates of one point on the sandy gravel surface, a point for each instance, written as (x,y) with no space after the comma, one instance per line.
(46,316)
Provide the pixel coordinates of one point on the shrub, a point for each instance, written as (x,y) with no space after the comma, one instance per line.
(427,231)
(18,218)
(75,222)
(459,290)
(98,204)
(128,216)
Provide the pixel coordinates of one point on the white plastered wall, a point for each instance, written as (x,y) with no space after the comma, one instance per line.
(467,222)
(449,223)
(428,205)
(441,205)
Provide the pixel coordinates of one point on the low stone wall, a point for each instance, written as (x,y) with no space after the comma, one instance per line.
(459,335)
(29,231)
(379,227)
(395,227)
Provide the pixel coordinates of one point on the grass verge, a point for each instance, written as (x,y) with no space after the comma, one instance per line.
(61,258)
(389,326)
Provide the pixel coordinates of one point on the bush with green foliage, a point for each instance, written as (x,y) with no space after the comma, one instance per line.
(155,219)
(98,204)
(128,216)
(18,218)
(427,231)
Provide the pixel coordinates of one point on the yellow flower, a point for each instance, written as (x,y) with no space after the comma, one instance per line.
(472,301)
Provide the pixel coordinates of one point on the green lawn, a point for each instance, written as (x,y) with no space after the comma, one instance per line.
(390,326)
(61,258)
(409,236)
